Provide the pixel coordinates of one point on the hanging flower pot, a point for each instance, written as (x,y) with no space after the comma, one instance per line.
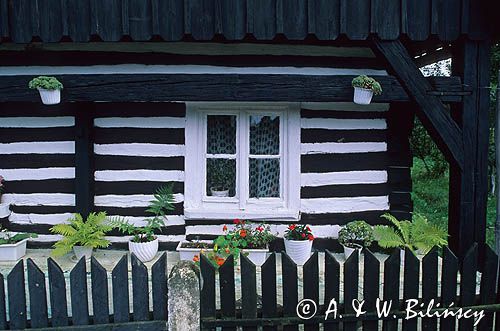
(298,242)
(49,89)
(364,89)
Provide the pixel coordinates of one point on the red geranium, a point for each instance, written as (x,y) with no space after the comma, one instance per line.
(243,233)
(224,228)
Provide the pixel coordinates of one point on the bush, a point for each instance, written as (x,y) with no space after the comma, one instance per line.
(356,234)
(46,83)
(368,83)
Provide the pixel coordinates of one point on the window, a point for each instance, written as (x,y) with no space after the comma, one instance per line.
(242,160)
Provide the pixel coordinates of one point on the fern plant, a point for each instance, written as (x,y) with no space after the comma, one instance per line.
(77,232)
(162,203)
(417,235)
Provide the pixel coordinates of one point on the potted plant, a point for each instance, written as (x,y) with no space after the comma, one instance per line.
(419,236)
(81,236)
(189,249)
(4,207)
(355,236)
(298,242)
(364,89)
(49,89)
(219,179)
(144,242)
(13,245)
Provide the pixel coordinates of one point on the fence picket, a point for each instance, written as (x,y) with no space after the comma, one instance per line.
(429,284)
(100,301)
(17,297)
(371,283)
(79,297)
(119,277)
(290,293)
(207,294)
(248,291)
(488,287)
(3,312)
(269,293)
(159,287)
(468,285)
(38,296)
(311,285)
(332,287)
(140,291)
(448,286)
(351,282)
(392,272)
(58,299)
(411,285)
(227,290)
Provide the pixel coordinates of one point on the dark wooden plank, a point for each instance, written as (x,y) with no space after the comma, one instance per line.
(351,282)
(100,300)
(332,287)
(392,268)
(159,288)
(311,285)
(290,293)
(3,311)
(4,18)
(58,300)
(78,20)
(295,19)
(202,19)
(386,18)
(51,28)
(468,273)
(416,20)
(233,15)
(269,293)
(429,284)
(79,296)
(488,287)
(38,296)
(17,297)
(448,286)
(371,283)
(141,26)
(119,277)
(448,13)
(411,285)
(20,21)
(171,19)
(207,293)
(109,19)
(140,291)
(355,19)
(84,157)
(227,289)
(324,19)
(248,291)
(263,18)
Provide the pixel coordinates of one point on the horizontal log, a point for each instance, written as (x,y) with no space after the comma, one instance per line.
(213,87)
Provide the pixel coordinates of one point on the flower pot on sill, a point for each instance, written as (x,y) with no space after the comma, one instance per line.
(219,194)
(13,252)
(188,253)
(4,210)
(81,251)
(50,97)
(144,251)
(257,256)
(362,96)
(298,250)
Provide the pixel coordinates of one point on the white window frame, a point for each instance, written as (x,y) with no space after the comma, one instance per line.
(197,205)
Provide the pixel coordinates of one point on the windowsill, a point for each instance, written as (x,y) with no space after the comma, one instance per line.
(242,214)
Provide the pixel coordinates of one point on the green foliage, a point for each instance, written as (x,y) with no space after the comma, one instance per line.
(368,83)
(46,83)
(77,232)
(7,237)
(220,174)
(424,148)
(417,235)
(162,203)
(299,232)
(356,234)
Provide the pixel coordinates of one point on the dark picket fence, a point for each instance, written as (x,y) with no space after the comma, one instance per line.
(13,306)
(250,315)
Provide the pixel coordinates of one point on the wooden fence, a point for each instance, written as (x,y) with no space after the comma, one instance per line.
(14,307)
(443,280)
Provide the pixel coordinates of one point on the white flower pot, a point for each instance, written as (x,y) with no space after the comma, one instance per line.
(13,252)
(144,251)
(257,256)
(348,251)
(219,194)
(50,97)
(81,251)
(362,96)
(186,253)
(298,250)
(4,210)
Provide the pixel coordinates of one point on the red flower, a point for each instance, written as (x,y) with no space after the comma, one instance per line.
(224,228)
(236,221)
(292,227)
(220,261)
(303,235)
(308,228)
(260,228)
(243,233)
(196,258)
(310,237)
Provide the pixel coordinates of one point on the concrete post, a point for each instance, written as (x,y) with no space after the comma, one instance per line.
(184,297)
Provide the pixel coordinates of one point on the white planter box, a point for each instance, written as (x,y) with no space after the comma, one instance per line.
(81,251)
(257,256)
(186,253)
(144,251)
(362,96)
(13,252)
(50,97)
(4,210)
(299,250)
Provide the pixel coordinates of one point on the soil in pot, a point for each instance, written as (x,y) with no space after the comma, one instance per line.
(196,245)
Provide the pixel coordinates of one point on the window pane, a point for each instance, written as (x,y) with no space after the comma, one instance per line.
(264,135)
(221,134)
(264,178)
(221,177)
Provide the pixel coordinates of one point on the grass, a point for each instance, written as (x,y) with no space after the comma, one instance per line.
(430,198)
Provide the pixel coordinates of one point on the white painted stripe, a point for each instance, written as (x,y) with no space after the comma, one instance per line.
(319,231)
(139,175)
(50,219)
(140,122)
(36,122)
(44,238)
(132,200)
(341,148)
(39,199)
(37,173)
(345,106)
(137,149)
(344,178)
(53,147)
(161,238)
(343,124)
(169,220)
(344,205)
(181,69)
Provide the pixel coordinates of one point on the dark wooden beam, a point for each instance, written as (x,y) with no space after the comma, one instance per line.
(433,113)
(215,87)
(84,152)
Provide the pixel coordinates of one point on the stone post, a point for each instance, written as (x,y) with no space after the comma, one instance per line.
(184,297)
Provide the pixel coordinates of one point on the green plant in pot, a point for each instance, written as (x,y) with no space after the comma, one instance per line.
(355,235)
(81,236)
(364,89)
(220,178)
(13,245)
(144,242)
(49,89)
